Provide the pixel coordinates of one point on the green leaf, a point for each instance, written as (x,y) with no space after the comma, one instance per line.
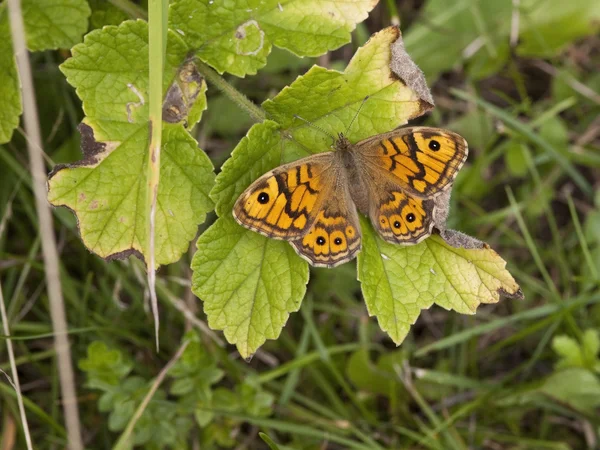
(10,93)
(577,388)
(52,24)
(105,13)
(236,37)
(106,190)
(195,372)
(105,368)
(574,354)
(399,281)
(330,100)
(249,283)
(255,305)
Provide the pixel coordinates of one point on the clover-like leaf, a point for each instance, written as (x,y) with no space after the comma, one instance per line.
(10,95)
(237,36)
(51,24)
(107,189)
(399,281)
(249,283)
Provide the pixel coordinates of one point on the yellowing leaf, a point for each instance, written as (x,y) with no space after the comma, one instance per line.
(237,36)
(249,283)
(399,281)
(107,189)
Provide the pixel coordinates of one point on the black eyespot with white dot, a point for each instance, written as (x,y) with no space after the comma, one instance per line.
(321,240)
(434,145)
(337,241)
(410,217)
(263,198)
(397,224)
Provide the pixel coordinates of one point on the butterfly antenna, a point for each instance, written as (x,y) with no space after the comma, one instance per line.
(315,126)
(356,115)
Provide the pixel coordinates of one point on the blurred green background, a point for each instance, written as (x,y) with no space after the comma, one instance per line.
(521,82)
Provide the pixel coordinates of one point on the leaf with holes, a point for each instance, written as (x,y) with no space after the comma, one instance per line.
(107,189)
(237,36)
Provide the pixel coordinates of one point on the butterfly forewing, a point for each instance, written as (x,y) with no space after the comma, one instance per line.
(284,203)
(422,161)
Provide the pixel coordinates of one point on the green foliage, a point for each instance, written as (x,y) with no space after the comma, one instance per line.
(249,283)
(52,24)
(399,281)
(10,96)
(112,216)
(191,396)
(332,378)
(237,37)
(49,24)
(479,32)
(584,354)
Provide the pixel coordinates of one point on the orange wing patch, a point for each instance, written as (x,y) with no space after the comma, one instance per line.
(422,160)
(401,218)
(331,241)
(283,203)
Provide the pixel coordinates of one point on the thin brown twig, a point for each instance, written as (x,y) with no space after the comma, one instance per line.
(49,251)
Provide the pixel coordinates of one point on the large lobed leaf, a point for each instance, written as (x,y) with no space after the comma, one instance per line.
(269,278)
(107,189)
(399,281)
(236,36)
(52,24)
(258,306)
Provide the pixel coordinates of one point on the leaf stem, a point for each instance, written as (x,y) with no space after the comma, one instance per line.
(254,111)
(157,39)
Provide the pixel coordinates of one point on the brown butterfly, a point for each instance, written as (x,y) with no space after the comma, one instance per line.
(393,178)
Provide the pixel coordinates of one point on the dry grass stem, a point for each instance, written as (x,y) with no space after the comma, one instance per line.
(50,254)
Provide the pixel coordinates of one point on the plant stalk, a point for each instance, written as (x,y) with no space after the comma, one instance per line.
(254,111)
(157,40)
(49,251)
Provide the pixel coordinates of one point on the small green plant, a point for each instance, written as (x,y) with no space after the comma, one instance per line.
(190,394)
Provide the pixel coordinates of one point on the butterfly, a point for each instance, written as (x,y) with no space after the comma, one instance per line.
(393,178)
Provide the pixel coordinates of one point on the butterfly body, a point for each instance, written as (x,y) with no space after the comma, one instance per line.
(392,178)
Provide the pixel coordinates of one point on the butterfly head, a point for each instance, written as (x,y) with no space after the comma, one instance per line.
(342,143)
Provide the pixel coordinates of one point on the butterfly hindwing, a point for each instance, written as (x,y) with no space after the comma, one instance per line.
(399,217)
(284,203)
(423,161)
(334,237)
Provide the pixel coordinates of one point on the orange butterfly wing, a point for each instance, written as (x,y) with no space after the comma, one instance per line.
(422,161)
(285,202)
